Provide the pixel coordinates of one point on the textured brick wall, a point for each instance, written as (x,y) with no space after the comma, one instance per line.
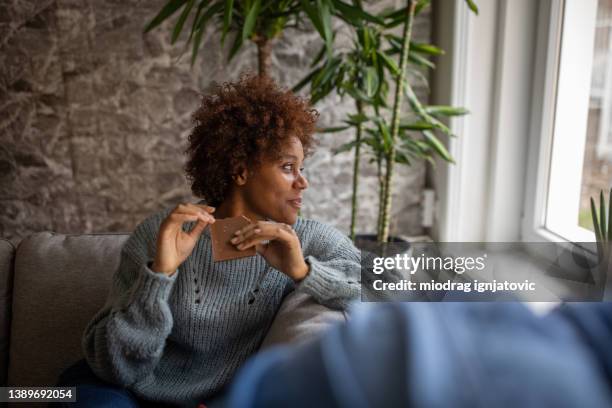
(94,117)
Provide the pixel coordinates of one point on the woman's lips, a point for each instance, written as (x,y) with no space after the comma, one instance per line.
(297,203)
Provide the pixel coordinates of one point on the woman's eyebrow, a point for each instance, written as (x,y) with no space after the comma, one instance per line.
(289,156)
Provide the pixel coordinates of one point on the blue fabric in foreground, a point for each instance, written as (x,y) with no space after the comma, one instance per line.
(441,355)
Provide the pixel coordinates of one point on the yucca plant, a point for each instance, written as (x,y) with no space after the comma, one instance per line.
(364,73)
(357,72)
(602,223)
(259,21)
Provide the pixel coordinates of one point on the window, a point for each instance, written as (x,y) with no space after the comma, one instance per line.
(537,144)
(573,130)
(597,169)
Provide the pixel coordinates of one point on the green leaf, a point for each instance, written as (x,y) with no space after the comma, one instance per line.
(396,18)
(389,62)
(386,12)
(345,147)
(355,15)
(169,9)
(419,75)
(326,25)
(418,108)
(365,36)
(305,80)
(428,49)
(419,60)
(339,79)
(357,94)
(371,81)
(602,216)
(201,27)
(312,14)
(418,125)
(196,19)
(420,6)
(356,118)
(610,217)
(446,110)
(598,236)
(401,158)
(380,70)
(396,43)
(333,129)
(251,18)
(319,56)
(472,6)
(326,74)
(433,141)
(212,10)
(386,134)
(227,18)
(181,21)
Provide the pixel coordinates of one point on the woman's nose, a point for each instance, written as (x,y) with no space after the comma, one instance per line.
(301,182)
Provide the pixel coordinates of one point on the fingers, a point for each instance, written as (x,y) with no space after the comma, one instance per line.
(177,219)
(254,239)
(180,218)
(206,208)
(196,209)
(259,232)
(197,230)
(268,227)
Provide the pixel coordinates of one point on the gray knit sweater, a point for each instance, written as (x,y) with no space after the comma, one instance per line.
(179,338)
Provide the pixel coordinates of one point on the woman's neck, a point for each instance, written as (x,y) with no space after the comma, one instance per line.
(233,207)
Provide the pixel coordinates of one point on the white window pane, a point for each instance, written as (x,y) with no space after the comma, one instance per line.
(570,120)
(597,169)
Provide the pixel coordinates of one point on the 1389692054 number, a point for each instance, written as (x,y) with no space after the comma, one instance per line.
(33,394)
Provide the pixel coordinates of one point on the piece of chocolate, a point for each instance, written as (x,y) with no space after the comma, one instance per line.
(221,232)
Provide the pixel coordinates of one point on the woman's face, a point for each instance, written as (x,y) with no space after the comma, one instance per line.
(273,190)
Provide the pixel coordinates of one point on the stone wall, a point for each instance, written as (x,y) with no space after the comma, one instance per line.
(94,116)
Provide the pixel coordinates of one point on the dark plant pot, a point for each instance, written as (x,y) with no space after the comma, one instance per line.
(369,242)
(370,247)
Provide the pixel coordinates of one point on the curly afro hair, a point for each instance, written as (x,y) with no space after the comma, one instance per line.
(243,123)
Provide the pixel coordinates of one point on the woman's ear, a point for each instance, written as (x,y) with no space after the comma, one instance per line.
(240,175)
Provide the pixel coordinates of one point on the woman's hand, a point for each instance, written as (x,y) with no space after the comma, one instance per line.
(282,250)
(173,244)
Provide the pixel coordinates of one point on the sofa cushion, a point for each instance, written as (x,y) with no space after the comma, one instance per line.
(7,257)
(60,282)
(300,319)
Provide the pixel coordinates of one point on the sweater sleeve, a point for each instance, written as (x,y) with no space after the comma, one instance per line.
(125,340)
(334,278)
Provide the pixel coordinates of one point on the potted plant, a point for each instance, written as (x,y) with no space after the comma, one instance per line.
(602,226)
(258,21)
(363,74)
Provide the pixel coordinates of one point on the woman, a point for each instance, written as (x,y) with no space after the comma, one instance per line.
(177,325)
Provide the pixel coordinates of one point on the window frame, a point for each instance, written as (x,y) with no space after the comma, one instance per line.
(553,146)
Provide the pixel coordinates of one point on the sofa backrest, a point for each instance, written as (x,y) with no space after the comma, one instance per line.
(7,259)
(60,282)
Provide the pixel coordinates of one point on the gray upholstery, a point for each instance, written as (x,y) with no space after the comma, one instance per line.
(60,282)
(300,319)
(7,257)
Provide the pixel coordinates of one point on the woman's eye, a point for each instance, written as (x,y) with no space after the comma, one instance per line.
(288,166)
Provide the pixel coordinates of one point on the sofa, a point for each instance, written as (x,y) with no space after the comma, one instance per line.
(52,285)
